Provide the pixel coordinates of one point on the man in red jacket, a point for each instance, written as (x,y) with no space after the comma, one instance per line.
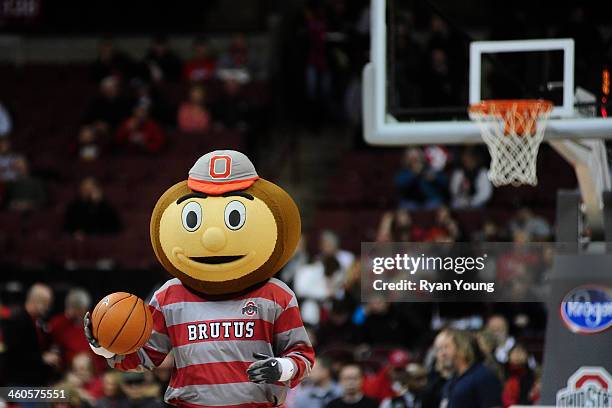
(387,382)
(66,329)
(140,132)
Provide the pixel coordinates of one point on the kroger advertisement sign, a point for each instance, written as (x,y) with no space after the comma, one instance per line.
(587,309)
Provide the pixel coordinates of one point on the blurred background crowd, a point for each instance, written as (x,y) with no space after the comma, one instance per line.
(87,147)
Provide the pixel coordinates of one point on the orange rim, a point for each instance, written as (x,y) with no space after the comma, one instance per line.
(502,106)
(519,115)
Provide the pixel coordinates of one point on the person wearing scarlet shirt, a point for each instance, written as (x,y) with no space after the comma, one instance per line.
(140,132)
(444,229)
(202,65)
(386,383)
(521,379)
(351,380)
(66,329)
(192,115)
(398,226)
(82,379)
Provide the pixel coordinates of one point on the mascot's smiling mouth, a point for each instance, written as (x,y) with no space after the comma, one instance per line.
(218,264)
(214,260)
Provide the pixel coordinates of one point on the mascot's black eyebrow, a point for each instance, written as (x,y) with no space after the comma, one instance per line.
(195,194)
(238,194)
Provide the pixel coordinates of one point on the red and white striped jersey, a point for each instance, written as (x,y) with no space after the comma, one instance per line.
(213,344)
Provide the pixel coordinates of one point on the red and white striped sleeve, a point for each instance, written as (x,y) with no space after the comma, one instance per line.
(154,351)
(290,336)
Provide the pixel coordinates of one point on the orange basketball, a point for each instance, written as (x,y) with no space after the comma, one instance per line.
(121,322)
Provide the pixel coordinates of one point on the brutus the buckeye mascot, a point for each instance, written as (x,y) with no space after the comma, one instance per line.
(235,332)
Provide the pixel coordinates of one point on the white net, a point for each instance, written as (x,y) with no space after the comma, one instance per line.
(513,131)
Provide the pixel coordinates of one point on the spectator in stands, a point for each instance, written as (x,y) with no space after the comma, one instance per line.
(88,146)
(383,322)
(438,82)
(134,387)
(472,384)
(89,213)
(164,64)
(339,328)
(113,396)
(144,94)
(387,382)
(238,57)
(329,245)
(445,227)
(521,378)
(232,110)
(438,374)
(469,185)
(315,283)
(193,116)
(490,232)
(449,56)
(409,64)
(411,387)
(8,160)
(25,193)
(487,344)
(140,133)
(66,329)
(397,226)
(534,226)
(498,326)
(202,66)
(299,259)
(25,340)
(83,380)
(110,62)
(352,282)
(418,185)
(351,380)
(317,71)
(318,389)
(110,107)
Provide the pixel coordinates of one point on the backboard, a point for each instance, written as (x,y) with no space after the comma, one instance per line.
(387,121)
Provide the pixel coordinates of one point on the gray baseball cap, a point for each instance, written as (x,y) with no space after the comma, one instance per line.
(221,171)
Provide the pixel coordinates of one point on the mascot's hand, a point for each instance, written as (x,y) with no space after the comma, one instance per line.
(93,343)
(270,370)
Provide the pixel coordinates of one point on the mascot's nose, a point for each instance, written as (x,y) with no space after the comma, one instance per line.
(213,239)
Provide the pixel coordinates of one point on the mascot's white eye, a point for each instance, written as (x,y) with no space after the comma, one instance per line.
(235,215)
(192,216)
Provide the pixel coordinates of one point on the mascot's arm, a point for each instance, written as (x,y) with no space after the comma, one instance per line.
(291,342)
(150,355)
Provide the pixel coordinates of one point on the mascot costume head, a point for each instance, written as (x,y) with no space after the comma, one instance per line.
(224,229)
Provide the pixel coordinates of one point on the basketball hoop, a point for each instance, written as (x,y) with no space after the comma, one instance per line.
(513,131)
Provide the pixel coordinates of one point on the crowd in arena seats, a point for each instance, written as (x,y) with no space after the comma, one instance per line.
(366,357)
(108,126)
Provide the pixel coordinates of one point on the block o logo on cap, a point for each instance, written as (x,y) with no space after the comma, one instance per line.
(220,167)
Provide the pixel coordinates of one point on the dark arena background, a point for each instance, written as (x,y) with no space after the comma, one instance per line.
(104,105)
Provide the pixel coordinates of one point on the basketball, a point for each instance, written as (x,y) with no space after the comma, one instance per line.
(121,322)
